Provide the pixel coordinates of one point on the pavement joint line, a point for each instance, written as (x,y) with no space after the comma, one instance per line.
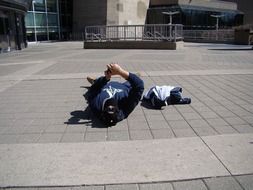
(231,93)
(20,77)
(212,110)
(22,63)
(205,184)
(215,155)
(207,144)
(238,182)
(32,77)
(188,121)
(225,106)
(165,118)
(153,137)
(139,183)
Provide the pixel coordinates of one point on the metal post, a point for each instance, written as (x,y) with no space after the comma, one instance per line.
(58,14)
(135,32)
(124,32)
(85,34)
(34,20)
(175,33)
(9,43)
(217,23)
(47,20)
(170,24)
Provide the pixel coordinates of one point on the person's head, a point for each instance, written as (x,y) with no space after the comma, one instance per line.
(110,112)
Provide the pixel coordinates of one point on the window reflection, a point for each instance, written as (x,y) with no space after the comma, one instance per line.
(40,19)
(39,5)
(29,20)
(52,20)
(51,6)
(195,17)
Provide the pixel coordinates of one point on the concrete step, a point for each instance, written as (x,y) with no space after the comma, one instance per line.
(72,164)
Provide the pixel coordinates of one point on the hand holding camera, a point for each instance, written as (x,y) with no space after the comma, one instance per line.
(115,69)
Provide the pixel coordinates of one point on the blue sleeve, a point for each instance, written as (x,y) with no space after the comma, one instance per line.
(135,94)
(96,87)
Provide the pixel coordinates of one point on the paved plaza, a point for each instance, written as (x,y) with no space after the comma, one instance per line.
(49,138)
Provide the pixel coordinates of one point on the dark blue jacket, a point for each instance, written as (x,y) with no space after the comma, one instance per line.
(128,94)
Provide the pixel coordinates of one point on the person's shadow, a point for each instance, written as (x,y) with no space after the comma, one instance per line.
(85,117)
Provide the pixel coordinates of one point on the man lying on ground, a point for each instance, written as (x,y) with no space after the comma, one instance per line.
(113,101)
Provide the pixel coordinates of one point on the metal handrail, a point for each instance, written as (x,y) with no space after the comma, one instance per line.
(211,35)
(156,32)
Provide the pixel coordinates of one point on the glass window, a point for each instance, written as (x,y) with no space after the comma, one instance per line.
(53,33)
(41,34)
(30,34)
(51,6)
(52,20)
(29,19)
(39,5)
(40,19)
(41,30)
(53,29)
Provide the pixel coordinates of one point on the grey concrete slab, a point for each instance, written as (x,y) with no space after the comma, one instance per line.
(190,185)
(122,187)
(246,181)
(50,138)
(140,134)
(162,133)
(72,137)
(95,136)
(235,151)
(89,188)
(184,133)
(157,186)
(118,162)
(118,136)
(223,183)
(243,128)
(207,131)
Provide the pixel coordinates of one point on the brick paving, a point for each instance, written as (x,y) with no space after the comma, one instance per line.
(41,99)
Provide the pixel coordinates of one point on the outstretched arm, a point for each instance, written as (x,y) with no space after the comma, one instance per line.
(135,93)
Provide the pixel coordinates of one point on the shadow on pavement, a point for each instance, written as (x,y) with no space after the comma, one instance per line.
(147,105)
(232,49)
(85,117)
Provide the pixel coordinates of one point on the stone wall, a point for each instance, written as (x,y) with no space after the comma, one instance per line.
(108,12)
(127,12)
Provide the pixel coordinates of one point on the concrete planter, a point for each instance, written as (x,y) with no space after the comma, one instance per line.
(133,45)
(243,36)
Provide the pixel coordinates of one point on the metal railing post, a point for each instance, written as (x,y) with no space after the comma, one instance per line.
(170,32)
(175,33)
(135,32)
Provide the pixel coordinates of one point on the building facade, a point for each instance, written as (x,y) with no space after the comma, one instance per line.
(49,20)
(195,14)
(12,24)
(246,6)
(108,12)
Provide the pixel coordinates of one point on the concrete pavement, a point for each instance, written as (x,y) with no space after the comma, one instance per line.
(42,110)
